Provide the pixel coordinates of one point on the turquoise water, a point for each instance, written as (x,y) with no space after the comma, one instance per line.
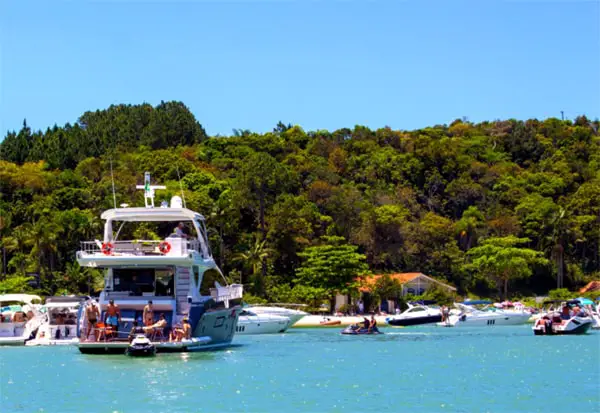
(418,369)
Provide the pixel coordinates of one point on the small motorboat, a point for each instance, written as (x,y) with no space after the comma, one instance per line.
(330,322)
(552,324)
(358,330)
(416,315)
(141,346)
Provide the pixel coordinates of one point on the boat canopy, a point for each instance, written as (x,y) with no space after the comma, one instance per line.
(151,214)
(63,304)
(476,302)
(21,298)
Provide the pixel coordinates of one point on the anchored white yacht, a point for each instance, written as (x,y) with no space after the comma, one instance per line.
(416,315)
(253,323)
(293,315)
(176,273)
(60,326)
(20,317)
(470,316)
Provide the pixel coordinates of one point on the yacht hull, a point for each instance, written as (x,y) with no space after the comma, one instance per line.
(414,321)
(12,341)
(215,330)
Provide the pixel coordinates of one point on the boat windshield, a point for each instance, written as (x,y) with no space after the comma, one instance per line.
(144,281)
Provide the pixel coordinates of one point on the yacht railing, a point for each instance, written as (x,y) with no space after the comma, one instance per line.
(138,247)
(224,294)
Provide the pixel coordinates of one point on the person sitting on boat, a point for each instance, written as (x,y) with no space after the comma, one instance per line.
(135,330)
(160,324)
(179,231)
(113,317)
(366,323)
(93,314)
(184,332)
(18,317)
(566,313)
(148,315)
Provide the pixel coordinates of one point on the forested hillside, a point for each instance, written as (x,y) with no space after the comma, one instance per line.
(422,200)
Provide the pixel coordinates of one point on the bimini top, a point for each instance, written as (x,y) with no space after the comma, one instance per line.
(22,298)
(151,214)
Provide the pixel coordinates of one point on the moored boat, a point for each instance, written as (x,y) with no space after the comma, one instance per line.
(416,315)
(293,315)
(20,318)
(60,325)
(470,316)
(251,323)
(141,346)
(159,282)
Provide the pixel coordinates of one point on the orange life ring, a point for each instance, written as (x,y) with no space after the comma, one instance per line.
(107,248)
(164,247)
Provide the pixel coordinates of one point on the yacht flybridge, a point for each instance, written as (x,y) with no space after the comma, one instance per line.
(173,269)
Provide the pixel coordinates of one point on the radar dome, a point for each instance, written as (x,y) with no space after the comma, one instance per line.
(176,202)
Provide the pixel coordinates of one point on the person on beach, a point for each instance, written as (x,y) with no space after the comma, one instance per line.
(148,315)
(113,317)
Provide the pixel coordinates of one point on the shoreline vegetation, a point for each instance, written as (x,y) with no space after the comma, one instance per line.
(504,209)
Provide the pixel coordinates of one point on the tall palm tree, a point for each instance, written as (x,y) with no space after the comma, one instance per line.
(254,258)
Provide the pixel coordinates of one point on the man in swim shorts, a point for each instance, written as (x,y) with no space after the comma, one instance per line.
(113,317)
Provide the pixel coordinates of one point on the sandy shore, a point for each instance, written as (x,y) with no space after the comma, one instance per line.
(315,320)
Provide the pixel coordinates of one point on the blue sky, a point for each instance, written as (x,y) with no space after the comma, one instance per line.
(319,64)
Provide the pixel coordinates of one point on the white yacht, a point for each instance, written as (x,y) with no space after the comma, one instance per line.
(20,317)
(60,326)
(176,273)
(293,315)
(416,315)
(471,316)
(252,323)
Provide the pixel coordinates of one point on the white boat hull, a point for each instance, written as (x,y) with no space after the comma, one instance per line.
(262,325)
(12,341)
(494,319)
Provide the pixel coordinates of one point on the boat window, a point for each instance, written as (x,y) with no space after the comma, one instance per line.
(416,309)
(143,281)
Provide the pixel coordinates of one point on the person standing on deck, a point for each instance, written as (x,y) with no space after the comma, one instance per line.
(148,315)
(113,316)
(93,314)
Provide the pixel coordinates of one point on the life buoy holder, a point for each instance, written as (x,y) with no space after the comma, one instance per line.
(107,248)
(164,247)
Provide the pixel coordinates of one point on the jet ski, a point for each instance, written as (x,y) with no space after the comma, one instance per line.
(357,330)
(141,346)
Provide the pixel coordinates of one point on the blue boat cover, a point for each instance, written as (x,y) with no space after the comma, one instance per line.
(476,302)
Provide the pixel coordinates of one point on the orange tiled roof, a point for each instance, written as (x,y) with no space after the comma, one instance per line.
(403,278)
(591,286)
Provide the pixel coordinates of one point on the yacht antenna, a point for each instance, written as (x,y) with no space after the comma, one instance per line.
(149,190)
(180,186)
(112,178)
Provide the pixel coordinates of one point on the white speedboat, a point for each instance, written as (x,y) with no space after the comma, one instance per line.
(552,324)
(251,323)
(470,316)
(20,317)
(169,272)
(293,315)
(60,327)
(416,315)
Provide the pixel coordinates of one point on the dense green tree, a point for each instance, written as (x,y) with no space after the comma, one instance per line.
(333,266)
(502,260)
